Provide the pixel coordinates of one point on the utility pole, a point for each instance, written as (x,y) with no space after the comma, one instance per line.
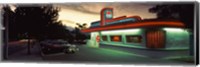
(5,33)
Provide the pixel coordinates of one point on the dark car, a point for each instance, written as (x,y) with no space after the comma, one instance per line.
(56,46)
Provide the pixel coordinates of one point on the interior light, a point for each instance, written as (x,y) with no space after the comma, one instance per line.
(174,29)
(123,30)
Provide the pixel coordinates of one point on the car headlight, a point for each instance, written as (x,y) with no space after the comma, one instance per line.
(70,49)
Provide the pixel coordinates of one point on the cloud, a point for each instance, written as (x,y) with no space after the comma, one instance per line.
(78,7)
(89,12)
(120,9)
(72,13)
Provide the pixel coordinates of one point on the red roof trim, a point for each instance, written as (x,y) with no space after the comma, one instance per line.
(137,25)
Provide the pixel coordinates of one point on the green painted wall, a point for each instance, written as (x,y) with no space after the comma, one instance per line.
(176,38)
(123,34)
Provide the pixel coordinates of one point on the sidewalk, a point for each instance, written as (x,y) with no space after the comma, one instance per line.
(23,56)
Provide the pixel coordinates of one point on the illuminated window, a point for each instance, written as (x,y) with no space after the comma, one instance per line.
(133,39)
(104,38)
(116,38)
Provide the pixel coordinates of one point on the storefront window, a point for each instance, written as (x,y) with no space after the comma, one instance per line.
(133,39)
(116,38)
(104,38)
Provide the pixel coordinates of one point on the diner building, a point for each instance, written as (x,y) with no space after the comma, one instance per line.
(134,32)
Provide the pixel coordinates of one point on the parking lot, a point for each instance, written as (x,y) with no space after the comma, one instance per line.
(107,55)
(103,54)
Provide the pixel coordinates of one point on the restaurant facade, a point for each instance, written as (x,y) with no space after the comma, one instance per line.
(135,32)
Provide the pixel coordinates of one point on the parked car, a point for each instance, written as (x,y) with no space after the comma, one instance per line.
(55,46)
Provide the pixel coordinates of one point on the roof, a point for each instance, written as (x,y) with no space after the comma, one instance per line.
(138,24)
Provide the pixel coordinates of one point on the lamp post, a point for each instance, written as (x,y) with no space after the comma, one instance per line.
(28,43)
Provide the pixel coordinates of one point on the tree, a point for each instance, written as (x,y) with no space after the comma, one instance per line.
(79,36)
(182,12)
(57,31)
(33,20)
(83,26)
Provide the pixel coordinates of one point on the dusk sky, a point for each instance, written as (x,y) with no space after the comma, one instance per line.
(72,13)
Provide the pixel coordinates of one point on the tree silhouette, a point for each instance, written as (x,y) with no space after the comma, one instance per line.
(182,12)
(83,26)
(57,31)
(79,37)
(34,20)
(39,22)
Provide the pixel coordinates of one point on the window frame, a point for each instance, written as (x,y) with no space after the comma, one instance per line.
(121,38)
(106,38)
(140,41)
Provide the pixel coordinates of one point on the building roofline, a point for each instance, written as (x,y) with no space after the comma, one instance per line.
(138,24)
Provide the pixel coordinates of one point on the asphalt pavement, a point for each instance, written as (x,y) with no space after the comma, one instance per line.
(103,54)
(16,46)
(107,55)
(18,52)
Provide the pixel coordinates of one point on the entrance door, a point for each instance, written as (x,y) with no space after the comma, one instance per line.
(155,39)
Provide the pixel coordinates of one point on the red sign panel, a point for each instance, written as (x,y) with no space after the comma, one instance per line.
(97,38)
(108,12)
